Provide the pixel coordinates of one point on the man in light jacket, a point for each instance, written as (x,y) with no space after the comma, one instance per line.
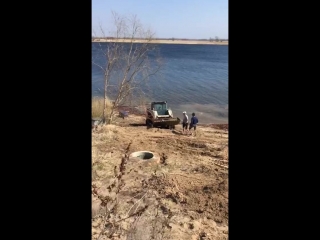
(185,121)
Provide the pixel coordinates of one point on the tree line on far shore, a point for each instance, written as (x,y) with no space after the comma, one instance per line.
(216,39)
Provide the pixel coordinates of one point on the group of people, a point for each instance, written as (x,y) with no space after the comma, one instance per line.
(185,122)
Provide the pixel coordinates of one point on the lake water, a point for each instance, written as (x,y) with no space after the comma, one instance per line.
(193,78)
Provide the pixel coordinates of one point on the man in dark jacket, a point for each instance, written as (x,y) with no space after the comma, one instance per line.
(193,122)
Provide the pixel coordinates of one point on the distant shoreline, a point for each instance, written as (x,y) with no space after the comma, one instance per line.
(197,42)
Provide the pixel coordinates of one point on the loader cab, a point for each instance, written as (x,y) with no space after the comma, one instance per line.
(160,107)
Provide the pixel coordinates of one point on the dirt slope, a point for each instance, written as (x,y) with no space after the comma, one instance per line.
(181,193)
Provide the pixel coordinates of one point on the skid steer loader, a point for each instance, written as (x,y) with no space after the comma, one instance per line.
(159,115)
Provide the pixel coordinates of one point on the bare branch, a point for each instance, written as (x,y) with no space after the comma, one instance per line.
(127,64)
(102,68)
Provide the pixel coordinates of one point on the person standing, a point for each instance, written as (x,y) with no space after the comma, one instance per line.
(185,121)
(193,122)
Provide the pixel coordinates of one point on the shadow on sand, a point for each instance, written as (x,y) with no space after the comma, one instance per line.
(137,124)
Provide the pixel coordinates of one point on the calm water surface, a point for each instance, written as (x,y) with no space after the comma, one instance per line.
(193,78)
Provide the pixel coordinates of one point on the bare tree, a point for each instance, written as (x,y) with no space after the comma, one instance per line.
(128,65)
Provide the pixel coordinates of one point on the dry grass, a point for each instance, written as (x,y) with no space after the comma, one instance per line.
(97,107)
(106,134)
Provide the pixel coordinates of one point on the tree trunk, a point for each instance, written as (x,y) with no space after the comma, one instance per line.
(111,113)
(104,103)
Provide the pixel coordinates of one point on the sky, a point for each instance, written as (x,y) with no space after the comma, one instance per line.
(192,19)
